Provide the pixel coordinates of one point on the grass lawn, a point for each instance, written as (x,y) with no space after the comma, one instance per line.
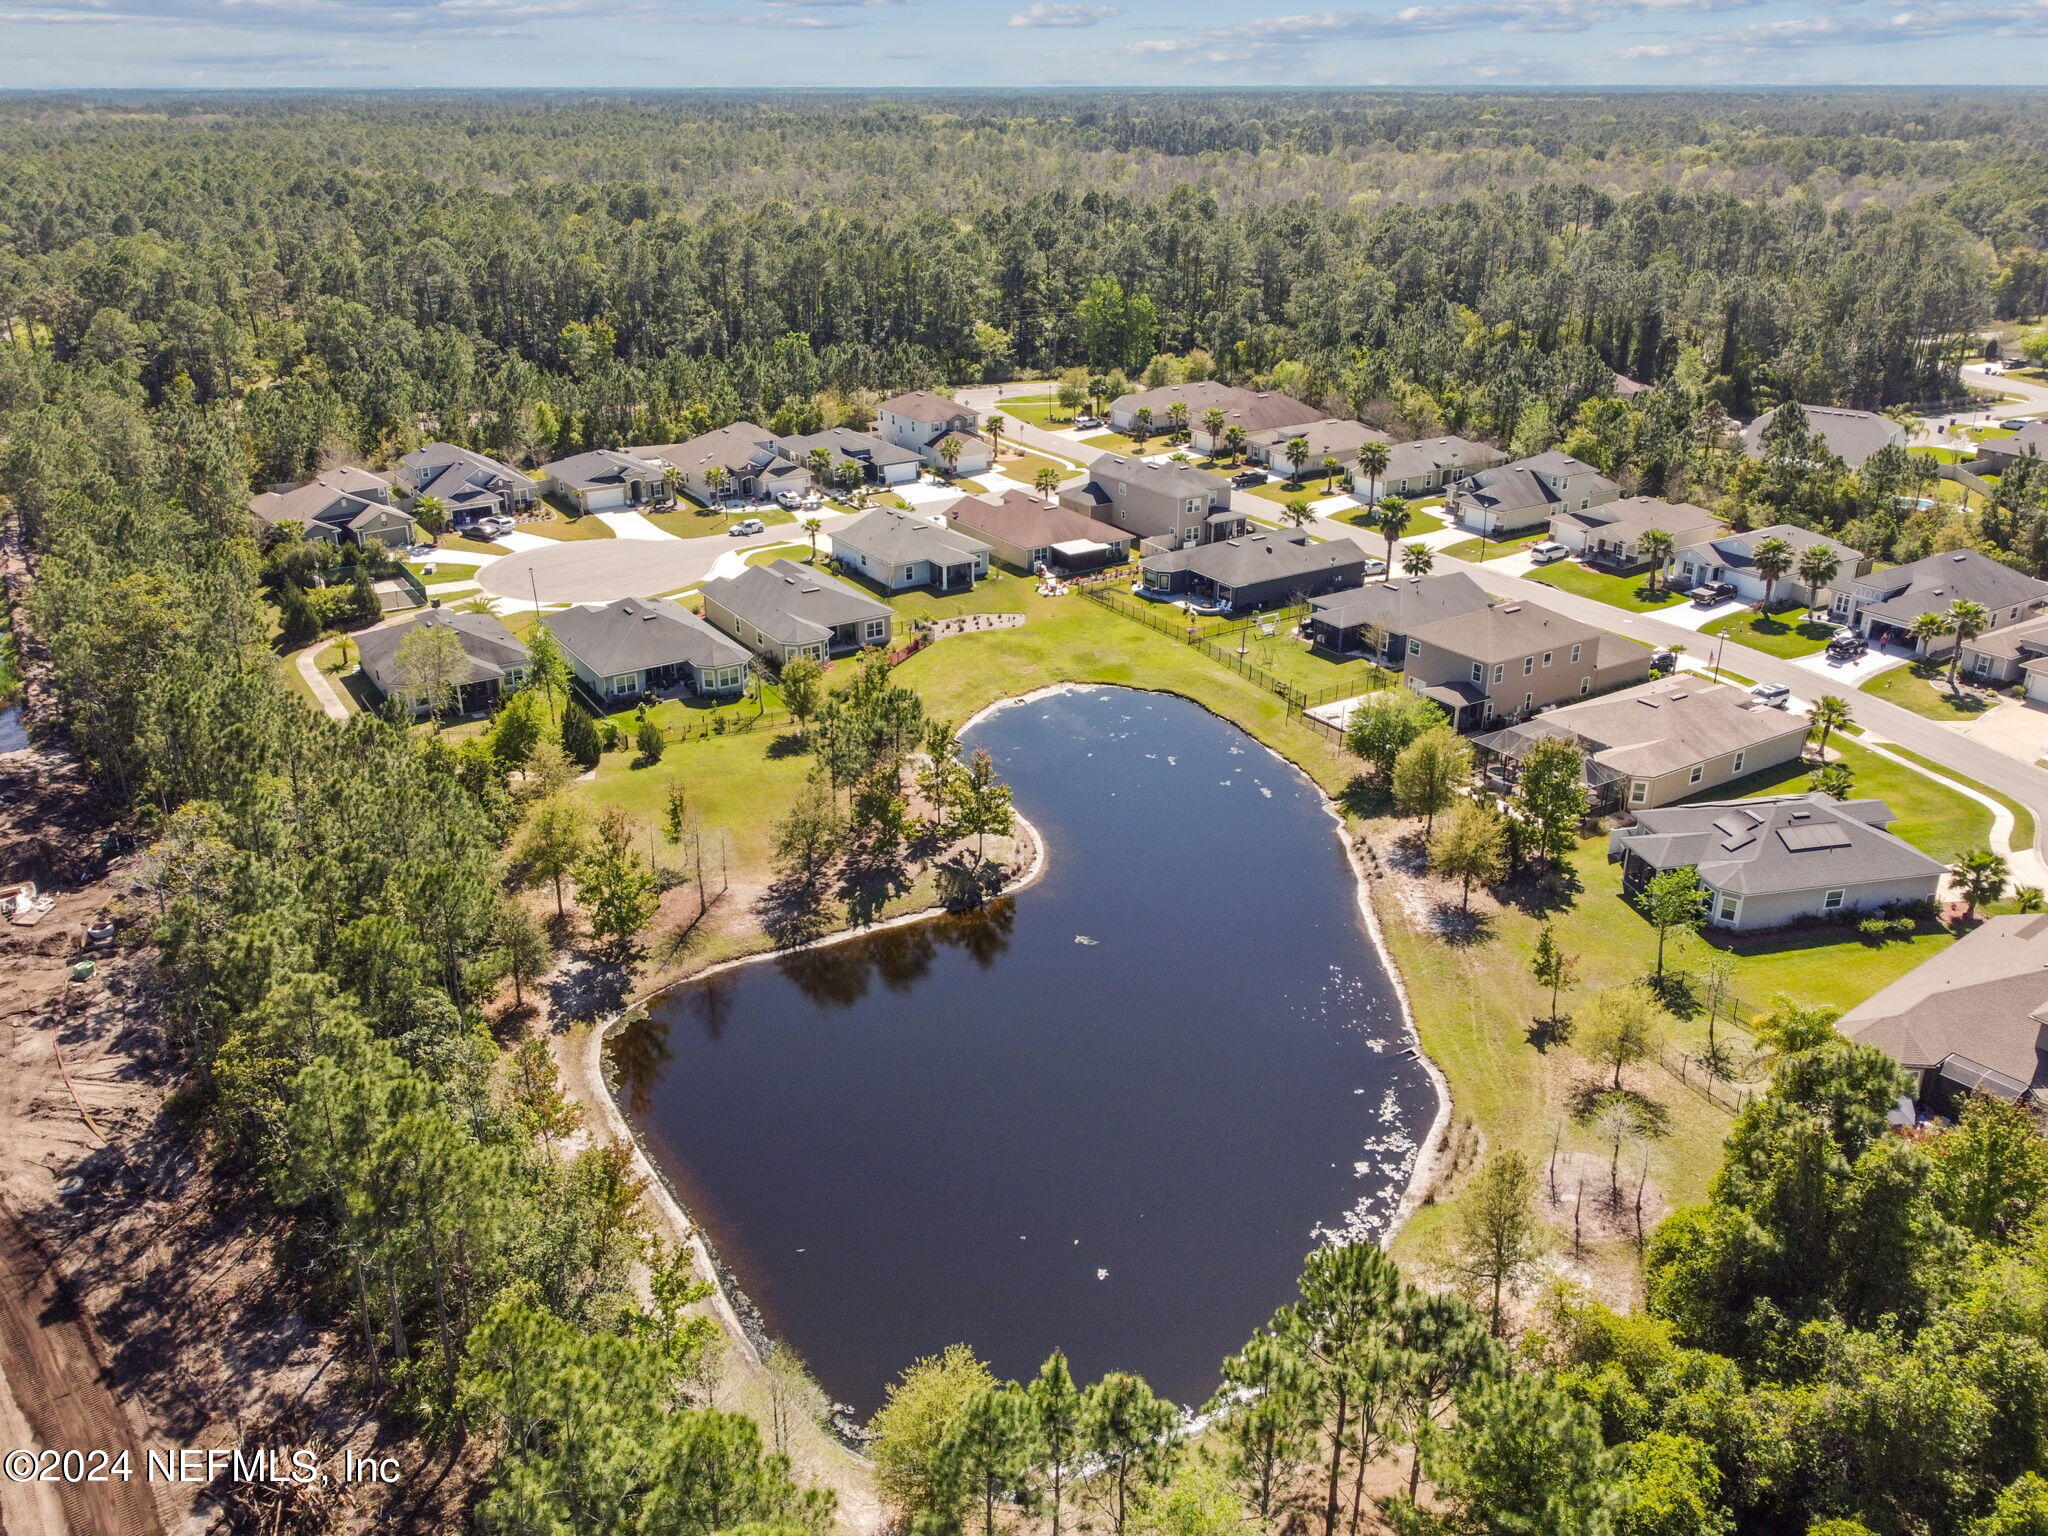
(768,554)
(1492,549)
(694,522)
(2022,818)
(443,573)
(1922,687)
(1044,411)
(1940,455)
(1114,442)
(964,483)
(1934,819)
(464,546)
(1787,632)
(559,525)
(1634,593)
(1284,491)
(1419,521)
(1024,467)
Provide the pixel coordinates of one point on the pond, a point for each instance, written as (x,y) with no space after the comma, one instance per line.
(1109,1114)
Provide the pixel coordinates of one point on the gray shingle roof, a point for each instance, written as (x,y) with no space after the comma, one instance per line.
(1530,482)
(1778,844)
(637,633)
(845,443)
(1504,631)
(1420,457)
(1664,726)
(792,603)
(1402,607)
(1332,438)
(924,406)
(1019,518)
(1168,479)
(1254,410)
(1929,585)
(492,649)
(1984,997)
(1262,557)
(740,449)
(1734,550)
(1851,436)
(904,538)
(1633,516)
(601,466)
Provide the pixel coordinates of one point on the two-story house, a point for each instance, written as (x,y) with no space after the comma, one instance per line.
(922,422)
(1173,502)
(1508,660)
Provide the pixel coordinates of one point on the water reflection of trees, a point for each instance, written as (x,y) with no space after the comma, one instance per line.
(638,1050)
(839,975)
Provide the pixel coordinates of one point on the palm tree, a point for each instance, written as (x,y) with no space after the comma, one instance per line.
(1416,559)
(1830,714)
(1330,468)
(996,423)
(1233,439)
(1047,480)
(1177,420)
(1818,565)
(1297,511)
(1660,547)
(949,454)
(1928,628)
(431,513)
(1772,559)
(1373,459)
(672,483)
(1141,424)
(1098,386)
(819,462)
(814,526)
(716,479)
(1980,876)
(1297,457)
(1966,620)
(1391,518)
(1213,422)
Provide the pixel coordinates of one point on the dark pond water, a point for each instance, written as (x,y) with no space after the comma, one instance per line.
(1111,1114)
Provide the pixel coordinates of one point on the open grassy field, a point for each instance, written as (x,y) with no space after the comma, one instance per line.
(1634,593)
(1785,631)
(1922,687)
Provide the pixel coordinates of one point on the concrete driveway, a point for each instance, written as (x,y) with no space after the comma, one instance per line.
(2015,727)
(603,570)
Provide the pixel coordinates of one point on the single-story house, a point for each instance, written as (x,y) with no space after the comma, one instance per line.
(2004,656)
(754,468)
(1025,533)
(1971,1019)
(1255,410)
(1659,741)
(1729,557)
(1256,570)
(1511,499)
(340,506)
(605,480)
(1611,535)
(896,550)
(1882,605)
(782,610)
(922,421)
(1377,620)
(644,644)
(1506,661)
(470,485)
(1781,859)
(879,462)
(1331,438)
(1174,502)
(1425,466)
(1995,455)
(1851,436)
(496,660)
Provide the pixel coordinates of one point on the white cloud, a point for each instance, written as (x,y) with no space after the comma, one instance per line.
(1052,13)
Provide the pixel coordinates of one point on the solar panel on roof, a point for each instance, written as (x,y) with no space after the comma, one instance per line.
(1812,839)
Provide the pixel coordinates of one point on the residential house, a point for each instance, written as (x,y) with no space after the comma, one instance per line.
(1174,502)
(879,462)
(1971,1019)
(897,550)
(1780,859)
(1511,499)
(469,484)
(1256,570)
(922,422)
(1330,438)
(1507,660)
(605,480)
(495,659)
(645,644)
(340,506)
(2017,653)
(1995,455)
(1611,535)
(1027,534)
(1255,410)
(754,468)
(1851,436)
(1882,605)
(1426,466)
(782,610)
(1659,741)
(1377,620)
(1730,557)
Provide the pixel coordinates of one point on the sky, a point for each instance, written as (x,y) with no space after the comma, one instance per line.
(370,44)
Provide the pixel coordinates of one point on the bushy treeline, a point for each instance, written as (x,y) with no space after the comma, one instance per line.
(539,278)
(324,901)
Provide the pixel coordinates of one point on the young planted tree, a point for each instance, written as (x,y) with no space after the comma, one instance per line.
(1234,440)
(1141,425)
(1552,967)
(522,941)
(803,685)
(1387,722)
(1835,780)
(1297,459)
(813,526)
(996,424)
(811,835)
(949,454)
(1046,482)
(1830,714)
(1469,847)
(1624,1027)
(1429,773)
(1772,559)
(1980,877)
(1390,517)
(1417,559)
(547,670)
(580,739)
(984,804)
(1298,511)
(431,513)
(552,843)
(1928,628)
(1551,798)
(651,740)
(1213,422)
(672,478)
(1332,466)
(1818,565)
(1495,1238)
(613,886)
(1673,899)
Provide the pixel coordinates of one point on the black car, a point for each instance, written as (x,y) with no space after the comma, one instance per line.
(1250,477)
(1847,646)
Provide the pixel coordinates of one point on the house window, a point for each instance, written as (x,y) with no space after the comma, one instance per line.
(1699,771)
(1528,665)
(1575,654)
(1736,766)
(1585,686)
(1638,791)
(878,629)
(1528,702)
(1478,672)
(1832,902)
(1730,909)
(1500,672)
(1546,658)
(1414,647)
(909,572)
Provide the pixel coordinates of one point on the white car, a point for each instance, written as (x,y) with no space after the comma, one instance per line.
(1375,567)
(747,526)
(1777,695)
(1547,551)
